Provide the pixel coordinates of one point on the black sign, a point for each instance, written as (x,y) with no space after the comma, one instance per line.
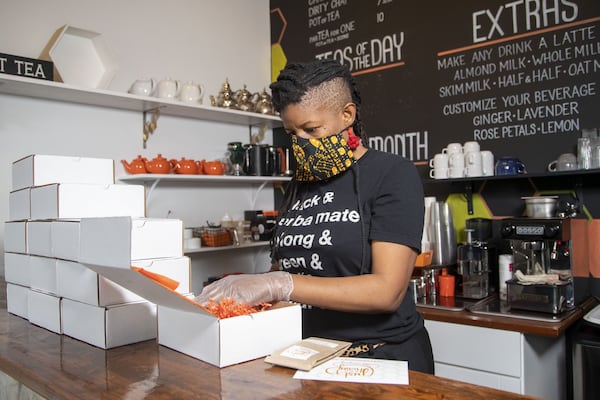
(522,77)
(29,67)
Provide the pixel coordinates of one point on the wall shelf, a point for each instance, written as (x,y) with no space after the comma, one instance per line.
(145,178)
(227,248)
(41,89)
(558,174)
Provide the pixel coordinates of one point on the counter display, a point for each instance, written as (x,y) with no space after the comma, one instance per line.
(59,367)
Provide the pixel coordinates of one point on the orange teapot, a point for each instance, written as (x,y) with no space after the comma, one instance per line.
(137,165)
(215,167)
(159,165)
(186,166)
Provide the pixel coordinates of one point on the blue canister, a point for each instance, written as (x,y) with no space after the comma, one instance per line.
(509,166)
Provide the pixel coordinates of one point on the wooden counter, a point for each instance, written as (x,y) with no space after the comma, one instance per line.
(541,328)
(59,367)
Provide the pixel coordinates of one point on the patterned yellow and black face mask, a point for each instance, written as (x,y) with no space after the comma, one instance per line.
(320,159)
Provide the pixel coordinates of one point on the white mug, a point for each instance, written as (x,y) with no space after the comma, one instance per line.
(142,87)
(452,148)
(440,160)
(473,164)
(167,88)
(439,173)
(456,162)
(565,162)
(191,92)
(470,146)
(487,163)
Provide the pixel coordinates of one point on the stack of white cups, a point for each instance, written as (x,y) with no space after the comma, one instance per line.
(458,161)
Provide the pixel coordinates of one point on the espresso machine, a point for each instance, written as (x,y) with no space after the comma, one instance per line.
(542,270)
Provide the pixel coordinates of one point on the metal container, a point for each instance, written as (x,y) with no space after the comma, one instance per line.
(417,288)
(441,234)
(540,206)
(548,298)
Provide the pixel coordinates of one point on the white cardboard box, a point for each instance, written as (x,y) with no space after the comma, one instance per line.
(16,269)
(73,200)
(15,237)
(116,241)
(64,235)
(38,238)
(44,310)
(77,282)
(41,169)
(186,327)
(42,274)
(19,205)
(108,327)
(16,300)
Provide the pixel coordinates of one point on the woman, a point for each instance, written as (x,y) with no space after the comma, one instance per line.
(350,227)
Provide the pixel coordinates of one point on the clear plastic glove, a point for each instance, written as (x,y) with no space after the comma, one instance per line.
(250,288)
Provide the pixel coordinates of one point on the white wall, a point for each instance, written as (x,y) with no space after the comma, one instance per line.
(201,40)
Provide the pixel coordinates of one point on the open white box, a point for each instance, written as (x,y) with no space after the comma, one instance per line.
(106,247)
(189,329)
(81,57)
(41,169)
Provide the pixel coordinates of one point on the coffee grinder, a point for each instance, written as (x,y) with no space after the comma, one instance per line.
(476,261)
(542,274)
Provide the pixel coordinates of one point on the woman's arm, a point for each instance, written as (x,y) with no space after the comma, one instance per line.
(380,291)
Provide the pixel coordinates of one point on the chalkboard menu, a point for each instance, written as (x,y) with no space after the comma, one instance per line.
(521,77)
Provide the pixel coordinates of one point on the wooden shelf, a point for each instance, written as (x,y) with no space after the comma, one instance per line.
(226,248)
(41,89)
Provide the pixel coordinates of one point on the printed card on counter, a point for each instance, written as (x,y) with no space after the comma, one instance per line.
(307,353)
(359,370)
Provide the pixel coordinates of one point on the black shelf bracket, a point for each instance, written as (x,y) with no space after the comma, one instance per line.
(469,195)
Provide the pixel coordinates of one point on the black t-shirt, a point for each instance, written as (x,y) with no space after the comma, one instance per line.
(322,235)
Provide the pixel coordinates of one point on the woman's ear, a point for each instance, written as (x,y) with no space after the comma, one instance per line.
(349,113)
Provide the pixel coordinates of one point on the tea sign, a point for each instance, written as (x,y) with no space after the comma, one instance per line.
(28,67)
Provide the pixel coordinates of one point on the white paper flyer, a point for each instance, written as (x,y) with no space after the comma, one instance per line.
(361,370)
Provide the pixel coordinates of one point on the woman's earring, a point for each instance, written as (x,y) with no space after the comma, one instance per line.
(353,140)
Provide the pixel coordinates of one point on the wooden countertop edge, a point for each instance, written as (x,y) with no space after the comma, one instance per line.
(527,326)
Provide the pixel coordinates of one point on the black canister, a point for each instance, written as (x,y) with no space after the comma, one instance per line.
(257,160)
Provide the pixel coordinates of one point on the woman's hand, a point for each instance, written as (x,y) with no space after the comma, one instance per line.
(251,289)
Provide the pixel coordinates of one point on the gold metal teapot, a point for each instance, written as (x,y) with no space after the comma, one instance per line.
(225,98)
(244,99)
(263,103)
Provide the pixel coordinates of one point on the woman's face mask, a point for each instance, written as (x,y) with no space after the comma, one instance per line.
(323,158)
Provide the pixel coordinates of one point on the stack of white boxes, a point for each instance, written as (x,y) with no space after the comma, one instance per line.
(47,284)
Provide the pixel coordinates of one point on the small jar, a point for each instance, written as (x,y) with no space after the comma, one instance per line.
(446,284)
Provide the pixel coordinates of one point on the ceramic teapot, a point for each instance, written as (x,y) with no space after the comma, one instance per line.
(191,92)
(159,165)
(226,97)
(243,99)
(186,166)
(143,87)
(215,167)
(167,88)
(263,103)
(136,166)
